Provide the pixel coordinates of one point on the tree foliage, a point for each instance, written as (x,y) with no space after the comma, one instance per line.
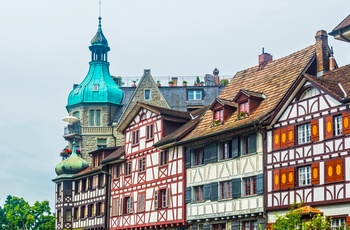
(18,214)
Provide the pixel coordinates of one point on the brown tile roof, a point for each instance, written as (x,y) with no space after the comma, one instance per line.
(117,154)
(274,80)
(344,23)
(330,86)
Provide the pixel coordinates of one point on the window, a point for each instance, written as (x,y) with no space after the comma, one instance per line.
(115,207)
(149,132)
(68,215)
(221,226)
(163,198)
(59,188)
(225,150)
(248,144)
(95,118)
(250,225)
(76,213)
(141,199)
(97,159)
(164,157)
(194,94)
(82,212)
(337,123)
(244,107)
(101,143)
(226,189)
(94,181)
(76,90)
(304,134)
(128,168)
(338,223)
(135,137)
(59,216)
(95,89)
(127,205)
(198,193)
(249,186)
(76,187)
(90,210)
(147,94)
(198,156)
(219,115)
(142,164)
(143,116)
(304,175)
(99,209)
(310,92)
(101,180)
(115,171)
(67,188)
(83,185)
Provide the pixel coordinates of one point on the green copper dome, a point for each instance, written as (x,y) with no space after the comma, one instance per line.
(98,85)
(72,165)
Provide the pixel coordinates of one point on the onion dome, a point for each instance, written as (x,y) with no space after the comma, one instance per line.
(98,85)
(72,165)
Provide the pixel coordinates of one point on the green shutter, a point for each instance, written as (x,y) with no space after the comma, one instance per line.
(259,184)
(188,158)
(188,195)
(252,143)
(261,223)
(235,147)
(235,225)
(214,192)
(207,191)
(210,153)
(236,187)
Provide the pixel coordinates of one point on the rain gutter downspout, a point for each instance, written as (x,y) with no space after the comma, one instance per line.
(342,89)
(341,35)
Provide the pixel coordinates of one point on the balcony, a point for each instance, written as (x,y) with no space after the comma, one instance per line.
(72,131)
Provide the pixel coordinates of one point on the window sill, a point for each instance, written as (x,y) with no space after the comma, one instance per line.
(149,140)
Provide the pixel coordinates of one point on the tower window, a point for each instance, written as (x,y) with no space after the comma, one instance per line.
(101,143)
(95,118)
(95,89)
(147,94)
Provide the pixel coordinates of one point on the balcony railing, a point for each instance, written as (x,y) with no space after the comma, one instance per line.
(74,129)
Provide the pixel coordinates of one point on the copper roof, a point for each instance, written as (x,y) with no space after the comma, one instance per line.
(274,80)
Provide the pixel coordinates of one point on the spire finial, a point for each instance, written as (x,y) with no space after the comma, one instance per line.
(99,9)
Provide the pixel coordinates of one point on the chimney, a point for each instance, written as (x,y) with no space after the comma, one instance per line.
(264,58)
(216,76)
(331,60)
(174,79)
(322,52)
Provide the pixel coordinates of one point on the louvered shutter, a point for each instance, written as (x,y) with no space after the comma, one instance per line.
(328,127)
(315,173)
(236,187)
(188,158)
(188,195)
(314,130)
(290,135)
(235,225)
(259,184)
(329,175)
(235,147)
(207,191)
(276,180)
(210,153)
(284,137)
(346,122)
(338,170)
(252,143)
(214,191)
(276,139)
(156,200)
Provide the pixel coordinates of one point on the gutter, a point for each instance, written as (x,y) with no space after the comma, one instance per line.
(342,89)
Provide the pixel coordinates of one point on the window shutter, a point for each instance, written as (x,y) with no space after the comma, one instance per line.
(210,153)
(168,197)
(290,177)
(131,204)
(284,137)
(346,122)
(259,184)
(235,225)
(236,187)
(261,223)
(206,227)
(252,143)
(207,192)
(290,136)
(347,221)
(235,147)
(314,130)
(276,139)
(121,203)
(188,195)
(156,199)
(283,179)
(214,192)
(315,173)
(338,170)
(328,127)
(329,171)
(276,180)
(188,158)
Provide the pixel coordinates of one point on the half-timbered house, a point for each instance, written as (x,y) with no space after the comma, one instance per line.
(148,188)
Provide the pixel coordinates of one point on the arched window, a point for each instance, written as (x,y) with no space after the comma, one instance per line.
(309,92)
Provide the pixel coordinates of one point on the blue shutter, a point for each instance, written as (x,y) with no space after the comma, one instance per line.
(210,153)
(188,158)
(214,193)
(235,147)
(236,187)
(188,197)
(259,184)
(235,225)
(252,143)
(207,192)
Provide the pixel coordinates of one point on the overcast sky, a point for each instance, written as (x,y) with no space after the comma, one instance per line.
(44,51)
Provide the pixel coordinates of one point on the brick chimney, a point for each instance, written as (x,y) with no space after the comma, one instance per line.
(264,58)
(216,76)
(331,60)
(322,52)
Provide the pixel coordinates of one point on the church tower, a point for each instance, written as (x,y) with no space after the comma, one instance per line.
(93,103)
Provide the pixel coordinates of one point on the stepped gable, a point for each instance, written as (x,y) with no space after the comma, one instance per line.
(274,80)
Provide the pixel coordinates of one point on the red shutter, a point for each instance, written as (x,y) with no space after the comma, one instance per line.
(276,179)
(346,122)
(290,177)
(338,170)
(347,221)
(329,171)
(283,178)
(284,137)
(290,136)
(276,139)
(315,173)
(314,130)
(328,127)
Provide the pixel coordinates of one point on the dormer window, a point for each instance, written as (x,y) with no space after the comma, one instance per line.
(222,110)
(244,107)
(247,102)
(95,89)
(219,115)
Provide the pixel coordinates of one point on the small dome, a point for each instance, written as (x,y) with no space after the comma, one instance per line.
(72,165)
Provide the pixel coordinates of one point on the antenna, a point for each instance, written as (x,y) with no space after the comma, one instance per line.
(99,9)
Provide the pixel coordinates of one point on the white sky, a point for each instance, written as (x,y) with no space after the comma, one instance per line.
(44,51)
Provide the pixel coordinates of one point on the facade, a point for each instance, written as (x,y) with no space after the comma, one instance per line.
(148,188)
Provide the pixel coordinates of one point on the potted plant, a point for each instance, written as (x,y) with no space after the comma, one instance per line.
(242,114)
(223,82)
(216,122)
(198,81)
(171,83)
(134,83)
(158,83)
(184,83)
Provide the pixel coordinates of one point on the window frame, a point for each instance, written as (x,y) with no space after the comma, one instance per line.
(219,226)
(337,125)
(128,167)
(142,164)
(304,174)
(147,94)
(341,223)
(116,171)
(244,107)
(252,225)
(135,137)
(150,132)
(198,157)
(225,189)
(198,193)
(249,184)
(304,133)
(225,151)
(219,115)
(164,157)
(194,95)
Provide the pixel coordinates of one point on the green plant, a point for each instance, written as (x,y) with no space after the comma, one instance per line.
(158,81)
(171,82)
(134,81)
(217,122)
(224,82)
(198,81)
(184,82)
(242,115)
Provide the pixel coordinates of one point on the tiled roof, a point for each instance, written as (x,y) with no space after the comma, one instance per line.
(274,80)
(344,23)
(341,75)
(330,86)
(115,155)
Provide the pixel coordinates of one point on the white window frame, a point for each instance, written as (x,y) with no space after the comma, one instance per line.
(338,125)
(193,95)
(304,133)
(147,94)
(304,176)
(150,131)
(337,223)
